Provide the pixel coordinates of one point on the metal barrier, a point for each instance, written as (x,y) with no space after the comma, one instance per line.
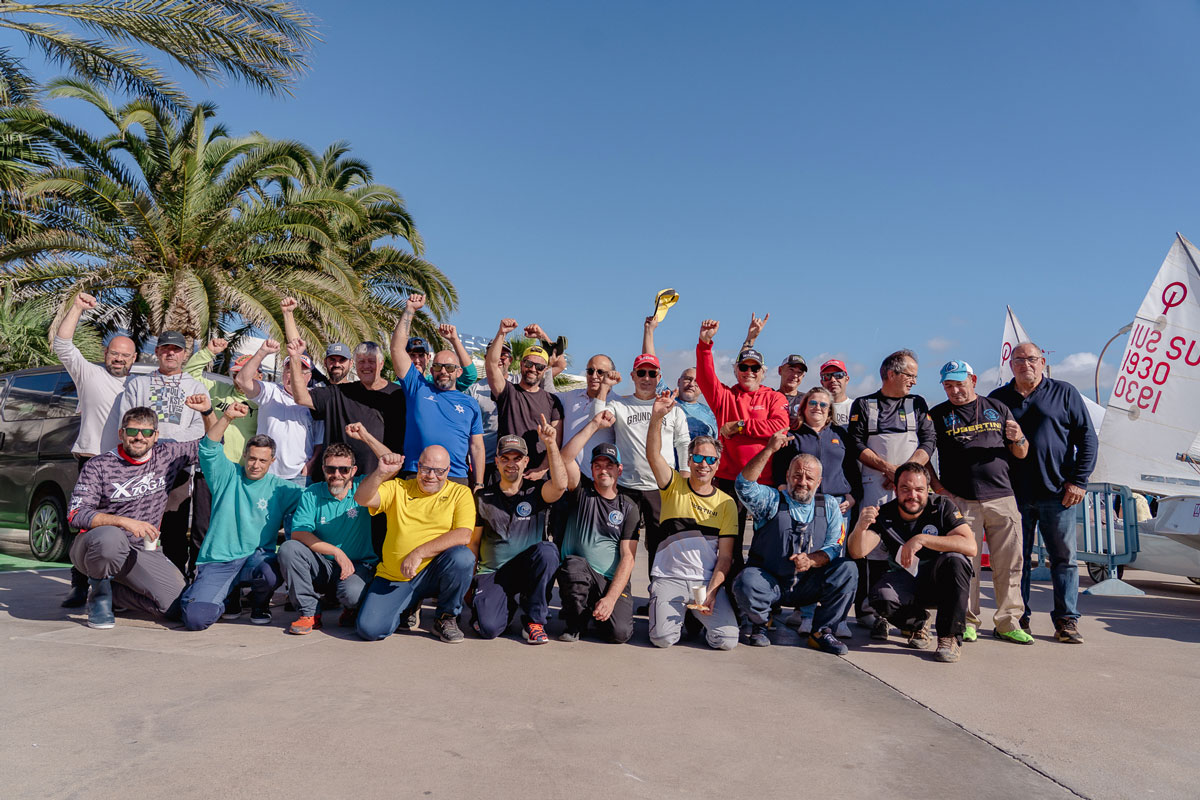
(1101,538)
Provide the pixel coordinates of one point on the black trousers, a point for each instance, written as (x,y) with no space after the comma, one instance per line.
(579,589)
(943,583)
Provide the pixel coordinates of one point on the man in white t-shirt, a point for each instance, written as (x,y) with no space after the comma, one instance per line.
(99,389)
(834,378)
(287,422)
(577,410)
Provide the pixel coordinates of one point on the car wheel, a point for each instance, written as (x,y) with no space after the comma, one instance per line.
(48,534)
(1099,572)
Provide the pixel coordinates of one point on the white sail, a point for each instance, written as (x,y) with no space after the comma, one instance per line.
(1014,334)
(1149,438)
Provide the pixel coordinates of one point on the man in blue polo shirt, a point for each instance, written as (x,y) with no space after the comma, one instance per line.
(437,413)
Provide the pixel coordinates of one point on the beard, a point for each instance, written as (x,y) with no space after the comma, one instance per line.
(802,496)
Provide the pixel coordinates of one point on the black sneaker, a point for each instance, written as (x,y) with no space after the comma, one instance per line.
(879,631)
(1067,632)
(826,642)
(412,620)
(445,628)
(260,616)
(758,636)
(233,605)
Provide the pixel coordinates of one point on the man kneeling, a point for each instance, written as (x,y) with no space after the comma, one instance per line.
(930,546)
(330,546)
(796,554)
(425,553)
(248,507)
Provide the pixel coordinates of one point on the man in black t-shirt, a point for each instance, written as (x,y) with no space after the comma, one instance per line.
(519,406)
(930,547)
(975,437)
(598,541)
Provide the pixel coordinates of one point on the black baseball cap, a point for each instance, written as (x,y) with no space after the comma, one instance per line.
(607,450)
(171,338)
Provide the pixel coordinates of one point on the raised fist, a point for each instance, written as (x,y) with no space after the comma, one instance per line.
(507,326)
(416,302)
(198,402)
(236,410)
(611,378)
(355,430)
(217,345)
(296,348)
(708,329)
(270,346)
(85,301)
(605,419)
(289,305)
(448,332)
(390,464)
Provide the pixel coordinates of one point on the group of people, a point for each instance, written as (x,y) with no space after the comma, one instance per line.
(482,497)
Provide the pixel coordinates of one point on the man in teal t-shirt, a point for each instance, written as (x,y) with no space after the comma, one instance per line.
(330,545)
(248,507)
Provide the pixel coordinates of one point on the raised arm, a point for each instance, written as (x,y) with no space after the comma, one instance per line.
(755,329)
(497,380)
(355,430)
(862,539)
(663,472)
(648,333)
(556,486)
(367,493)
(245,380)
(288,308)
(753,470)
(400,360)
(83,302)
(450,334)
(300,393)
(216,430)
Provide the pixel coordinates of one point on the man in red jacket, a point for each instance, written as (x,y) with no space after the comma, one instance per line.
(748,414)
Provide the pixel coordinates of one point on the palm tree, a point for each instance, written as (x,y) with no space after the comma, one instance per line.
(264,43)
(23,340)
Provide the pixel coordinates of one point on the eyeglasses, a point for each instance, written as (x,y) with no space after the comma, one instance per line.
(646,373)
(699,459)
(332,470)
(837,376)
(448,367)
(434,471)
(1026,359)
(817,404)
(597,371)
(145,432)
(912,376)
(533,365)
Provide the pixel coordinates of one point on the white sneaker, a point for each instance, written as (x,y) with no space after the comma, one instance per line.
(843,630)
(805,626)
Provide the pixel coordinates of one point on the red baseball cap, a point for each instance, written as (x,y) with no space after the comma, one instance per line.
(834,363)
(644,359)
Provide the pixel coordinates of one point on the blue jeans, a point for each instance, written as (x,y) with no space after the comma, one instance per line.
(1057,525)
(203,602)
(528,575)
(832,585)
(446,578)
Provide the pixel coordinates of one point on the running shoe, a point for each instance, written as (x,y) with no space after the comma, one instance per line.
(260,616)
(970,634)
(446,628)
(947,650)
(757,637)
(826,642)
(305,625)
(534,633)
(1016,637)
(1067,632)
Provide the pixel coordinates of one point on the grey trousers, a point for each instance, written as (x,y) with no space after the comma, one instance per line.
(309,575)
(145,580)
(668,604)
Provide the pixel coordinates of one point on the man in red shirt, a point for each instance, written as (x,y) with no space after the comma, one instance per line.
(747,415)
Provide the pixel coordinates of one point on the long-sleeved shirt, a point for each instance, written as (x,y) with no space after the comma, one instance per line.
(839,471)
(633,423)
(224,395)
(99,400)
(889,421)
(764,411)
(1062,440)
(113,483)
(762,503)
(164,395)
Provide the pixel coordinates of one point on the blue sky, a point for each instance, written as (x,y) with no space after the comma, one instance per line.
(874,175)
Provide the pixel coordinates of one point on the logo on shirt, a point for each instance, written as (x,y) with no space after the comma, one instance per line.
(524,509)
(951,420)
(138,487)
(991,414)
(930,530)
(616,517)
(351,513)
(458,407)
(262,504)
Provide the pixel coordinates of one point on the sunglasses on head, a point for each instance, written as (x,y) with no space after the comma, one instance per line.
(145,432)
(646,373)
(839,375)
(699,459)
(597,371)
(533,365)
(330,470)
(747,367)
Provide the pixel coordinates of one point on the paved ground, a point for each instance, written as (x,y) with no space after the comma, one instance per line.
(244,711)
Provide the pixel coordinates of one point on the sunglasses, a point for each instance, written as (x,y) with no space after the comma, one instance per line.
(597,371)
(817,404)
(646,373)
(749,367)
(145,432)
(533,365)
(434,471)
(337,470)
(448,367)
(699,459)
(837,376)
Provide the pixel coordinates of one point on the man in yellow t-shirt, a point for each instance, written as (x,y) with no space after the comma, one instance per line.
(425,553)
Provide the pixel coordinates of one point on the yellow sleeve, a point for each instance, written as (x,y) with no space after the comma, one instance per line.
(464,510)
(388,494)
(727,517)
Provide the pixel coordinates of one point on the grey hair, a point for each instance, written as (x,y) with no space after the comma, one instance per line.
(261,440)
(895,362)
(699,440)
(806,458)
(369,349)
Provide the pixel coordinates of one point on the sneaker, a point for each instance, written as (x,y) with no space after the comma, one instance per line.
(569,635)
(233,606)
(970,634)
(348,617)
(1016,637)
(843,630)
(867,620)
(99,605)
(805,626)
(880,630)
(1025,627)
(1067,632)
(947,649)
(260,616)
(77,598)
(412,620)
(757,637)
(826,642)
(795,619)
(920,638)
(445,628)
(305,625)
(534,633)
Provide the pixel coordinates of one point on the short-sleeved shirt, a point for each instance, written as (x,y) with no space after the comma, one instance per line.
(342,523)
(448,418)
(596,526)
(291,426)
(414,518)
(972,455)
(381,412)
(938,519)
(511,523)
(577,413)
(684,544)
(520,414)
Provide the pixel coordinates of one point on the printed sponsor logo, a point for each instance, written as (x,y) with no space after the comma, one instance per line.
(138,486)
(524,509)
(991,414)
(930,530)
(616,517)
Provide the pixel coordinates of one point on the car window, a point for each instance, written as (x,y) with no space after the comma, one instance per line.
(29,396)
(66,400)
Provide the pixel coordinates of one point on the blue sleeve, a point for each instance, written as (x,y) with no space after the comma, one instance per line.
(1082,437)
(835,532)
(217,468)
(760,501)
(476,418)
(291,497)
(305,516)
(412,382)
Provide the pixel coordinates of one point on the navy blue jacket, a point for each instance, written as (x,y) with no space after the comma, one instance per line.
(839,471)
(1062,440)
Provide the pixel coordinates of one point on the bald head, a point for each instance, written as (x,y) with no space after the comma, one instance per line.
(432,468)
(119,355)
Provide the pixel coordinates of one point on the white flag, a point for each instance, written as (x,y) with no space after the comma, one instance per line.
(1014,334)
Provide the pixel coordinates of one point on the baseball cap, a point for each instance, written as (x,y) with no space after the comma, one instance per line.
(506,348)
(537,351)
(171,339)
(956,371)
(749,354)
(338,349)
(511,444)
(305,360)
(644,359)
(834,364)
(607,450)
(238,363)
(416,343)
(795,361)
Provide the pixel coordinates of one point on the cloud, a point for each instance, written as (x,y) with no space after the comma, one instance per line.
(939,344)
(674,362)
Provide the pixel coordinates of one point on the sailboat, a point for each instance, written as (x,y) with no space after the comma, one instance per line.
(1150,438)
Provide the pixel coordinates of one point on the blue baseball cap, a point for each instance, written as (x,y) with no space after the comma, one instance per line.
(416,343)
(338,349)
(956,371)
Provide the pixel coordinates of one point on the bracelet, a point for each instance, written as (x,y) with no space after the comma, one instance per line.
(206,412)
(1022,440)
